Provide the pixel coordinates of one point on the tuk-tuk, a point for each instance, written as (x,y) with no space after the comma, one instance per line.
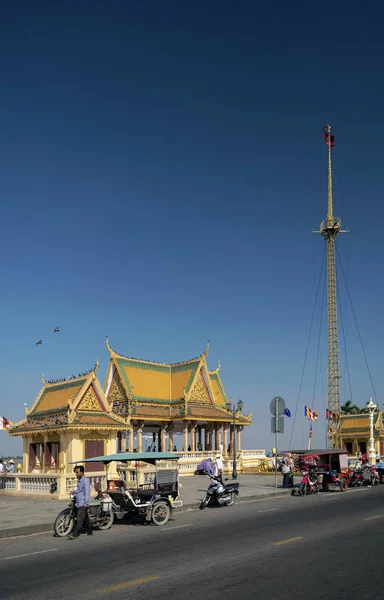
(331,467)
(154,499)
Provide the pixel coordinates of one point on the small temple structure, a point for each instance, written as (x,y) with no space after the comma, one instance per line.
(354,433)
(76,418)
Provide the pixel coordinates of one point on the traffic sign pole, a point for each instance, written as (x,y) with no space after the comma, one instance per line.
(276,428)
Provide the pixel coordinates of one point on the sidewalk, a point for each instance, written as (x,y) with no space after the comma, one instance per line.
(24,516)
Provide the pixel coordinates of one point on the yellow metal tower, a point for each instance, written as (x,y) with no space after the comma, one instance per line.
(329,228)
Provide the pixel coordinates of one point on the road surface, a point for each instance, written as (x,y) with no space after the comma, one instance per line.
(326,546)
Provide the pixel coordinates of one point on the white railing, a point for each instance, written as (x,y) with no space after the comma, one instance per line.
(253,453)
(98,482)
(36,485)
(7,482)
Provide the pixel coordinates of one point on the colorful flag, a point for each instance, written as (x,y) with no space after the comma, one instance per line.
(329,414)
(310,414)
(310,433)
(287,412)
(4,423)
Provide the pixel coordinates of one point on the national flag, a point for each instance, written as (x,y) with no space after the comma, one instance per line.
(329,414)
(310,414)
(287,412)
(329,138)
(4,423)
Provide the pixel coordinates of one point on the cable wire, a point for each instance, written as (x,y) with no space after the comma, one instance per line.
(357,326)
(307,348)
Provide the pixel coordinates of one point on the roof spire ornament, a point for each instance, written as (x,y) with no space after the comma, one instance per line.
(96,367)
(206,348)
(42,379)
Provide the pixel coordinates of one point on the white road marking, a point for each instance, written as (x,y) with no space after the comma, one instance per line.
(30,554)
(178,527)
(267,510)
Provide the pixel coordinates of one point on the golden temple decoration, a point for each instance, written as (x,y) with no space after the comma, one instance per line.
(199,392)
(117,391)
(90,401)
(94,435)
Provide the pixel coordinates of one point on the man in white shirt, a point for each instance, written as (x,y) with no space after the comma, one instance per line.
(1,466)
(218,467)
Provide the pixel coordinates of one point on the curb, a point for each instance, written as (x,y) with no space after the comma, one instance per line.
(48,527)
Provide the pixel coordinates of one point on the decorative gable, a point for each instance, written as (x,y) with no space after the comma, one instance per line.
(199,392)
(90,402)
(117,391)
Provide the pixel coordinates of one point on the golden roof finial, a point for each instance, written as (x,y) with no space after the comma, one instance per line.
(42,379)
(107,343)
(206,348)
(96,368)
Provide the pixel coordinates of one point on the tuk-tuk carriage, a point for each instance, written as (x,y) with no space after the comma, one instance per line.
(331,467)
(156,498)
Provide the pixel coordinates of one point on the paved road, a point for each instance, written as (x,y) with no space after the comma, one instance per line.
(285,547)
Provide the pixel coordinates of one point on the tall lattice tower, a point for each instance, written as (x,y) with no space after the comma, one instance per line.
(329,228)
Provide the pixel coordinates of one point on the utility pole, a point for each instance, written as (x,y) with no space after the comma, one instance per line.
(329,228)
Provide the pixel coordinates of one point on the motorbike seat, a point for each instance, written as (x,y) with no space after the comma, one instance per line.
(231,486)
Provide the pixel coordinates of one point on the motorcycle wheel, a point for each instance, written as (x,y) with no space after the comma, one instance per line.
(204,503)
(161,513)
(64,524)
(106,521)
(315,489)
(302,489)
(231,500)
(344,484)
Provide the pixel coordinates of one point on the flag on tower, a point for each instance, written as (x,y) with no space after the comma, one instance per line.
(310,432)
(310,414)
(329,414)
(329,138)
(287,412)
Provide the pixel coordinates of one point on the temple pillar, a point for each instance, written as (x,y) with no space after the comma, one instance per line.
(119,438)
(123,441)
(217,436)
(231,439)
(225,443)
(199,436)
(170,437)
(25,454)
(206,437)
(140,436)
(130,440)
(162,437)
(238,444)
(185,436)
(193,437)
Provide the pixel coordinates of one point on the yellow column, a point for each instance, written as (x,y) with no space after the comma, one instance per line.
(123,441)
(217,436)
(130,447)
(206,437)
(25,454)
(185,436)
(225,443)
(238,445)
(139,436)
(193,437)
(170,437)
(162,437)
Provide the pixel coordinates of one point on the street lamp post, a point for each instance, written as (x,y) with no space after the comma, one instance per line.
(234,410)
(372,452)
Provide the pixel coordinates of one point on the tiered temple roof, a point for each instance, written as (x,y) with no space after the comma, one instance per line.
(78,402)
(167,391)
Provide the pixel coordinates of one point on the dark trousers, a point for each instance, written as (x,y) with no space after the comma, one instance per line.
(286,480)
(83,520)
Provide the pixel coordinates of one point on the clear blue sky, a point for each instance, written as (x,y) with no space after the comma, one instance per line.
(162,167)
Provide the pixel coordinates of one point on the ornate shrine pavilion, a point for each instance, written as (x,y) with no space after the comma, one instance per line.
(76,418)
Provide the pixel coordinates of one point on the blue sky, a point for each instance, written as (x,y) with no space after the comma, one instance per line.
(162,167)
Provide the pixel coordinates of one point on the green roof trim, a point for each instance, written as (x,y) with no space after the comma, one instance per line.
(150,457)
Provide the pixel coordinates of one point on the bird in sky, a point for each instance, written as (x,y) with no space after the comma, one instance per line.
(39,342)
(56,330)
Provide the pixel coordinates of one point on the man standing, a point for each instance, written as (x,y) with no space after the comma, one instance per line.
(1,466)
(218,467)
(285,469)
(82,500)
(10,468)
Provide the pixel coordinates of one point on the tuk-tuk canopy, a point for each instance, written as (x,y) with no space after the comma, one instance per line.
(148,457)
(318,453)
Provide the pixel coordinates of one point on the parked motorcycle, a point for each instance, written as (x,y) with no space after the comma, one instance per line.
(219,493)
(308,485)
(356,478)
(100,513)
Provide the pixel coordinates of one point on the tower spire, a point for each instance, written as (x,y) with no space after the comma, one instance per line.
(329,228)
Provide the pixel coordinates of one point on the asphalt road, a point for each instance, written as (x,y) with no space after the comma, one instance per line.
(328,546)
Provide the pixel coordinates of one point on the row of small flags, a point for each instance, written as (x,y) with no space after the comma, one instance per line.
(311,414)
(4,423)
